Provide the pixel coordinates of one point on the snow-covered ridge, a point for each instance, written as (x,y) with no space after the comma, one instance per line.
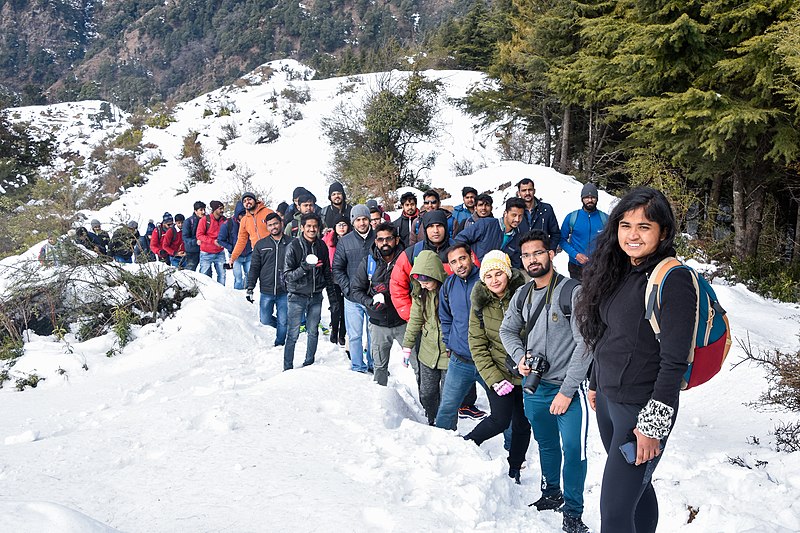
(194,427)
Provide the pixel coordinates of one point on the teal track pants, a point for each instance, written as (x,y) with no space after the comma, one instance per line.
(557,436)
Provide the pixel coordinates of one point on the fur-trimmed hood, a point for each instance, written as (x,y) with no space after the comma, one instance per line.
(482,296)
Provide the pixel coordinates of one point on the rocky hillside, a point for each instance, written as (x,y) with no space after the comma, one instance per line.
(138,51)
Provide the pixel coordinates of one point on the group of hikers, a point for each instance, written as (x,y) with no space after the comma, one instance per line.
(475,300)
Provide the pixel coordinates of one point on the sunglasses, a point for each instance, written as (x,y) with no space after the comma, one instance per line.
(431,202)
(422,277)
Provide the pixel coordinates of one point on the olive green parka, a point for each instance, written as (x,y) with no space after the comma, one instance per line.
(485,318)
(424,318)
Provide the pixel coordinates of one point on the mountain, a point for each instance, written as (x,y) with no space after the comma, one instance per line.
(194,427)
(139,51)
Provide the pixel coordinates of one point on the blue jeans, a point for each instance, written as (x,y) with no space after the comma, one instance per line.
(559,435)
(218,260)
(355,317)
(279,303)
(240,269)
(297,304)
(461,377)
(177,261)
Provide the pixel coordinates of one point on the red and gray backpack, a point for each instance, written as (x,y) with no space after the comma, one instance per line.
(712,333)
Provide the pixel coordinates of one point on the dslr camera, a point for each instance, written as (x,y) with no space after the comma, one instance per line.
(539,365)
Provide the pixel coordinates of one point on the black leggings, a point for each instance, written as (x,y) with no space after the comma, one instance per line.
(506,410)
(628,502)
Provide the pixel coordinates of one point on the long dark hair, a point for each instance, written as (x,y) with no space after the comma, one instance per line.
(424,298)
(609,263)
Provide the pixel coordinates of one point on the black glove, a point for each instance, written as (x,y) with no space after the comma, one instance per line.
(163,255)
(378,306)
(249,295)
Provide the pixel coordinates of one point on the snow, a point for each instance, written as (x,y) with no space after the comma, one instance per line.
(194,427)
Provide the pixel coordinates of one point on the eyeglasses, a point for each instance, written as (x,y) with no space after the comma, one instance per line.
(384,239)
(536,254)
(431,202)
(343,224)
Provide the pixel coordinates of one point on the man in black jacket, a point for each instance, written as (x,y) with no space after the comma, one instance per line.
(350,251)
(266,267)
(370,288)
(307,271)
(189,235)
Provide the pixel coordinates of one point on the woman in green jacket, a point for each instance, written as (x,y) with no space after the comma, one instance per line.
(490,299)
(427,276)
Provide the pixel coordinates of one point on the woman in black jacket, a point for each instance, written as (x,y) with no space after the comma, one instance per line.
(635,379)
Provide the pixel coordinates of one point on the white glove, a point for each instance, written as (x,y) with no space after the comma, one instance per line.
(378,299)
(312,259)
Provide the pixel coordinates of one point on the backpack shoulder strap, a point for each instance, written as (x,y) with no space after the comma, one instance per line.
(208,222)
(573,217)
(603,217)
(652,292)
(565,297)
(525,296)
(448,284)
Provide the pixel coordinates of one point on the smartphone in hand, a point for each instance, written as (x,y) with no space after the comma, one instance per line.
(628,451)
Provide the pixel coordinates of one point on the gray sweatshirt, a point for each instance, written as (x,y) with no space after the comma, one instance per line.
(553,336)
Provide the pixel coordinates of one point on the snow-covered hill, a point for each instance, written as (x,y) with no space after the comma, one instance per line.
(194,427)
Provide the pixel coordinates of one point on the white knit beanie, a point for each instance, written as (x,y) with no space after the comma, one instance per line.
(495,260)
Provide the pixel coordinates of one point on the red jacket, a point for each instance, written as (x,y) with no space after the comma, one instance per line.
(172,241)
(155,239)
(400,287)
(207,232)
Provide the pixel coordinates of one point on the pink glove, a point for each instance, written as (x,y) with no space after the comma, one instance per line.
(503,388)
(406,356)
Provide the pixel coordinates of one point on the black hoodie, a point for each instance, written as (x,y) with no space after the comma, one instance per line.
(630,364)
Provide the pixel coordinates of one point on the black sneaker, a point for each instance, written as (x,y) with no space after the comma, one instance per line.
(513,473)
(548,503)
(574,524)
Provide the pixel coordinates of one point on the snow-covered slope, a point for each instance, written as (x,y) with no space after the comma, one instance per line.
(194,427)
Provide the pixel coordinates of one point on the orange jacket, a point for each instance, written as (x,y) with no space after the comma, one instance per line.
(251,226)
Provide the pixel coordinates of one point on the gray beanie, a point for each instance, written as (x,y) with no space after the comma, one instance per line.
(95,223)
(133,224)
(357,211)
(589,190)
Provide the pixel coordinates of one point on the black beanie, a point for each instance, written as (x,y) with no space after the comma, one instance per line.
(437,216)
(336,187)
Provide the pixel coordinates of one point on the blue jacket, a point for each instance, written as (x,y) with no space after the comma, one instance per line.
(487,234)
(229,232)
(454,306)
(542,217)
(586,228)
(189,234)
(460,214)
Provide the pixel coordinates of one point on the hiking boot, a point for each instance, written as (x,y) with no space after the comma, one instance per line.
(325,331)
(548,503)
(470,411)
(302,328)
(574,524)
(334,338)
(513,473)
(342,341)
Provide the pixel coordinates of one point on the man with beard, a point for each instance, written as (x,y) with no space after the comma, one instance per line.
(338,206)
(406,222)
(350,251)
(252,226)
(454,308)
(579,230)
(307,272)
(370,288)
(554,349)
(538,214)
(266,267)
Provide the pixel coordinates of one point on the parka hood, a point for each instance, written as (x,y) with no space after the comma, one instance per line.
(482,296)
(428,264)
